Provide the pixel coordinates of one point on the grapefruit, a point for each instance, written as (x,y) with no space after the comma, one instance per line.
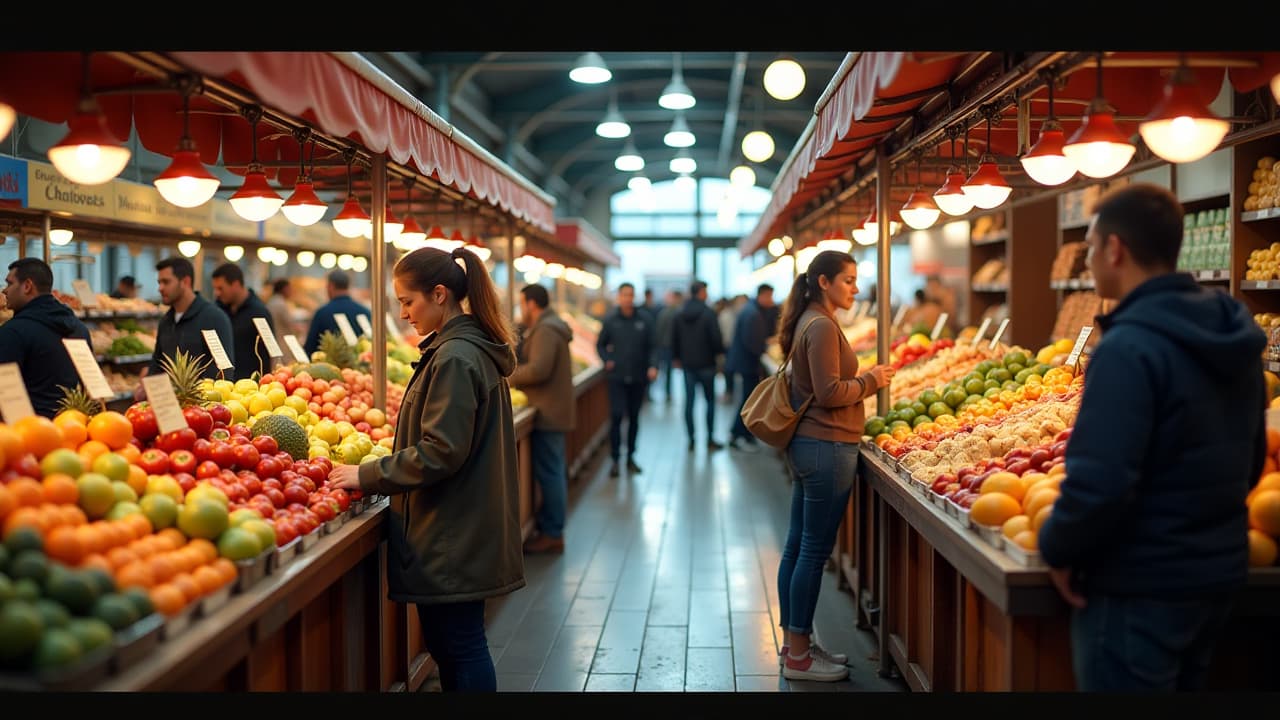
(1015,525)
(994,509)
(239,544)
(1003,482)
(1264,512)
(203,518)
(113,466)
(96,494)
(160,509)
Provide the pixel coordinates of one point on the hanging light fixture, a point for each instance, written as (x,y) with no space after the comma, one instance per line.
(359,264)
(872,227)
(679,136)
(411,235)
(304,207)
(629,160)
(784,78)
(186,182)
(1181,128)
(1097,148)
(757,146)
(861,235)
(477,246)
(1045,162)
(391,227)
(589,69)
(60,236)
(920,211)
(280,257)
(951,198)
(233,253)
(328,260)
(351,219)
(88,154)
(987,187)
(682,163)
(614,125)
(685,182)
(189,248)
(776,248)
(255,201)
(306,258)
(742,177)
(639,182)
(676,95)
(266,253)
(7,117)
(346,261)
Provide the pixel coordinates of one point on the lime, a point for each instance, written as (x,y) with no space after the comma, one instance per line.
(91,633)
(239,544)
(955,397)
(929,397)
(101,580)
(160,509)
(906,415)
(29,564)
(974,386)
(939,409)
(4,559)
(874,426)
(892,416)
(52,613)
(1015,356)
(918,408)
(1043,368)
(920,420)
(76,590)
(57,648)
(26,589)
(7,592)
(1010,385)
(984,367)
(897,424)
(265,532)
(24,537)
(115,610)
(973,398)
(20,628)
(1015,368)
(999,375)
(991,384)
(1022,375)
(141,600)
(991,392)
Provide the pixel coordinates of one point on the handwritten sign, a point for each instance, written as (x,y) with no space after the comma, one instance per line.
(295,347)
(986,323)
(95,383)
(169,417)
(15,404)
(344,324)
(1074,357)
(937,327)
(268,337)
(220,358)
(393,328)
(902,312)
(88,298)
(995,339)
(365,326)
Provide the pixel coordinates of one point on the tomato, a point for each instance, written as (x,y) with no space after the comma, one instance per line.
(266,445)
(275,496)
(247,457)
(183,461)
(286,532)
(296,494)
(154,461)
(235,491)
(143,419)
(343,500)
(288,475)
(220,413)
(296,508)
(186,481)
(252,484)
(198,419)
(263,505)
(239,430)
(272,483)
(268,467)
(207,469)
(325,463)
(324,510)
(182,439)
(307,484)
(223,453)
(203,449)
(316,473)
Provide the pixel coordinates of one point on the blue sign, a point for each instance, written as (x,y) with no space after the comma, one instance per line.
(13,181)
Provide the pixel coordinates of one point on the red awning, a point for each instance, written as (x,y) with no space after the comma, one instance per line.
(580,234)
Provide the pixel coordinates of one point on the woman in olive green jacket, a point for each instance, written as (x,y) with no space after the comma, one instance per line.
(454,530)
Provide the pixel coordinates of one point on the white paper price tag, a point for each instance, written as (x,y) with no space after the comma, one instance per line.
(220,359)
(15,404)
(365,326)
(268,337)
(95,383)
(902,312)
(1085,332)
(394,329)
(986,323)
(295,347)
(87,297)
(344,324)
(937,327)
(995,339)
(169,417)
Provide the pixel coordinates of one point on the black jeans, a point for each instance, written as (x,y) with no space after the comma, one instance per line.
(706,377)
(454,635)
(748,381)
(625,400)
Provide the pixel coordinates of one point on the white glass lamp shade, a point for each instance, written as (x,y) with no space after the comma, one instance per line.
(784,79)
(1097,148)
(256,201)
(189,248)
(89,154)
(306,258)
(742,177)
(186,183)
(328,260)
(60,236)
(679,136)
(233,253)
(757,146)
(589,69)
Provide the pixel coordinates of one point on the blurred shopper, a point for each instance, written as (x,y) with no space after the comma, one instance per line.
(340,301)
(727,318)
(454,526)
(1148,540)
(126,288)
(626,345)
(695,345)
(742,366)
(182,325)
(242,305)
(33,337)
(823,454)
(666,319)
(545,374)
(281,308)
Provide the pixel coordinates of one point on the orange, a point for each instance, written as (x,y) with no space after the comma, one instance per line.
(1264,512)
(72,515)
(1015,525)
(226,569)
(1041,515)
(23,517)
(10,445)
(130,452)
(167,599)
(1268,465)
(93,540)
(96,561)
(112,429)
(1270,481)
(38,435)
(208,549)
(1273,441)
(1037,499)
(993,509)
(1057,470)
(1262,550)
(73,415)
(8,503)
(187,585)
(1026,540)
(135,574)
(172,537)
(139,523)
(137,479)
(207,578)
(120,557)
(1003,482)
(60,489)
(162,567)
(74,432)
(188,560)
(90,451)
(64,545)
(28,492)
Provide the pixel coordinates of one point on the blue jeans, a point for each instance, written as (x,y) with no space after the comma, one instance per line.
(748,381)
(706,377)
(1131,644)
(625,400)
(664,367)
(823,473)
(552,477)
(454,635)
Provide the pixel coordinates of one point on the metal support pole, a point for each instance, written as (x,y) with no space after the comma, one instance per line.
(378,284)
(48,244)
(884,180)
(511,270)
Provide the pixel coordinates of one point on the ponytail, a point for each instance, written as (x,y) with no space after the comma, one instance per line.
(481,294)
(427,267)
(805,289)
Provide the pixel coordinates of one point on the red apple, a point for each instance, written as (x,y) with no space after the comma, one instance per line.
(1039,456)
(1059,448)
(186,481)
(1017,453)
(1062,436)
(275,496)
(968,500)
(1019,467)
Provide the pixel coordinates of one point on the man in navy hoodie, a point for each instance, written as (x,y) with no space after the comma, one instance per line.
(33,337)
(1148,540)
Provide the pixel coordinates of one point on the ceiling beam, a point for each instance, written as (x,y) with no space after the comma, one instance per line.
(464,77)
(730,128)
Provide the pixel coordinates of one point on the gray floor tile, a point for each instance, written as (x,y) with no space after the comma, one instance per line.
(709,670)
(598,682)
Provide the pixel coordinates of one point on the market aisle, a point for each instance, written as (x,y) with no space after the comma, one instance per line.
(668,581)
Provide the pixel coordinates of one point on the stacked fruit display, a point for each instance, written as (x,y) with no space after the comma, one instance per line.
(918,346)
(1264,507)
(943,367)
(1264,264)
(1264,190)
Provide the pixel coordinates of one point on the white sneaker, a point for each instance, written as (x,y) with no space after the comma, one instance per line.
(818,651)
(812,667)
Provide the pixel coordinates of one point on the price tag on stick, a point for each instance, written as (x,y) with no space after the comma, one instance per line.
(937,327)
(344,324)
(220,359)
(902,312)
(986,323)
(268,337)
(1074,357)
(87,297)
(365,327)
(15,404)
(296,348)
(995,339)
(169,417)
(95,383)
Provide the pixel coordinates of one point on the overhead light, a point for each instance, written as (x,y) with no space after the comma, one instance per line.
(727,211)
(391,228)
(328,260)
(7,116)
(742,177)
(776,248)
(784,79)
(266,253)
(186,183)
(306,258)
(1045,162)
(304,207)
(685,183)
(987,187)
(532,277)
(629,160)
(683,162)
(872,227)
(60,236)
(1181,128)
(351,221)
(861,235)
(256,201)
(676,95)
(437,235)
(478,249)
(359,264)
(639,182)
(679,135)
(589,69)
(554,271)
(757,146)
(233,253)
(1098,148)
(412,236)
(951,197)
(281,257)
(88,154)
(614,125)
(919,212)
(189,248)
(346,261)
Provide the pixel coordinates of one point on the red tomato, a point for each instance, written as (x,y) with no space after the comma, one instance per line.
(324,510)
(252,484)
(275,496)
(272,483)
(186,481)
(182,439)
(220,413)
(203,449)
(266,445)
(268,467)
(154,461)
(182,460)
(344,500)
(247,457)
(296,494)
(239,430)
(207,469)
(325,463)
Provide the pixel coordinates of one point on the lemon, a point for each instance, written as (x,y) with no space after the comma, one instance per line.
(298,404)
(345,428)
(287,412)
(316,451)
(327,430)
(258,403)
(239,413)
(277,396)
(245,387)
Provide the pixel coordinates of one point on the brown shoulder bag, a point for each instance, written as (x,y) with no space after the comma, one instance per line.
(767,412)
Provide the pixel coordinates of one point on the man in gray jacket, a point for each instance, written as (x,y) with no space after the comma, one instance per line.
(626,345)
(666,317)
(545,374)
(695,343)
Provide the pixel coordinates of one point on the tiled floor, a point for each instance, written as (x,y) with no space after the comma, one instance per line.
(667,582)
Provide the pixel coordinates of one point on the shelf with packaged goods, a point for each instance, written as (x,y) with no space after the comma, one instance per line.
(1260,284)
(1072,284)
(1256,215)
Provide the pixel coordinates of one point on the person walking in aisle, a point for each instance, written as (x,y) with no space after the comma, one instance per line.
(126,288)
(281,308)
(454,527)
(340,301)
(545,374)
(626,345)
(666,319)
(1148,541)
(242,305)
(181,327)
(695,344)
(742,366)
(33,337)
(823,453)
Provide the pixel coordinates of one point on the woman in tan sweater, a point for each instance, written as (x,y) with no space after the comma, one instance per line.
(823,454)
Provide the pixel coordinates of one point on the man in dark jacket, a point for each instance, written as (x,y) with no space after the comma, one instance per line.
(666,318)
(743,363)
(545,374)
(626,345)
(180,328)
(242,305)
(33,337)
(340,301)
(1148,539)
(695,343)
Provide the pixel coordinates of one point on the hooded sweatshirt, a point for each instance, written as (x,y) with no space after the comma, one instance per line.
(695,336)
(545,373)
(1169,438)
(454,529)
(33,339)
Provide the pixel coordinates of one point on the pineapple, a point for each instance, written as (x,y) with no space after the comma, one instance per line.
(77,399)
(337,351)
(184,371)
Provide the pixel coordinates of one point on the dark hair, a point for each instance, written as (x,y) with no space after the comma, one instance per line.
(764,288)
(828,264)
(626,285)
(128,280)
(697,287)
(229,272)
(920,295)
(537,294)
(1148,220)
(180,266)
(425,268)
(340,280)
(35,270)
(279,286)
